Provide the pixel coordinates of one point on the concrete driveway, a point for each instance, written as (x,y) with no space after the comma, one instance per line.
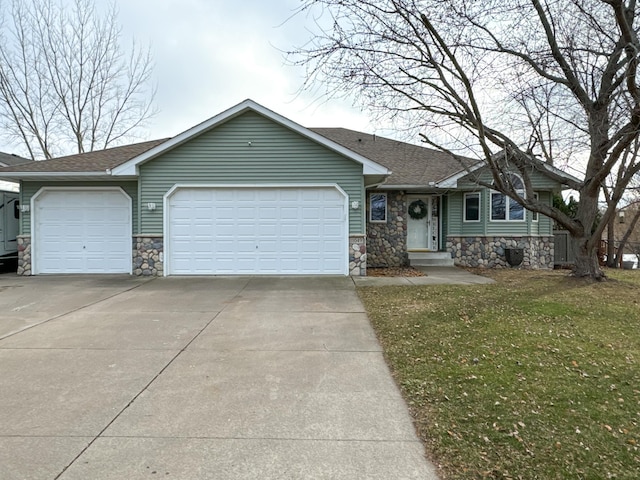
(116,377)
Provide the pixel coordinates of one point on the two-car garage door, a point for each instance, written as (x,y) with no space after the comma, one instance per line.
(275,231)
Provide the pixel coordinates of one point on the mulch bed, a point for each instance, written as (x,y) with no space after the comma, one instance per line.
(394,272)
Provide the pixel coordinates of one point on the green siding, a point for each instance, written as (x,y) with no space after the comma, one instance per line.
(223,155)
(444,214)
(29,189)
(486,227)
(538,180)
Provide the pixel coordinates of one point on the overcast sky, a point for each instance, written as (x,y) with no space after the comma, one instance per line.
(212,54)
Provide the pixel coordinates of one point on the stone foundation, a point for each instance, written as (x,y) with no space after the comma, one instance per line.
(357,256)
(148,256)
(24,255)
(387,242)
(489,252)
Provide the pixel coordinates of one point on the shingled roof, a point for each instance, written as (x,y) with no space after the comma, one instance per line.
(411,165)
(96,161)
(9,159)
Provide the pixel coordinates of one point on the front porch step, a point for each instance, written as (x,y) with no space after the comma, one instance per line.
(430,259)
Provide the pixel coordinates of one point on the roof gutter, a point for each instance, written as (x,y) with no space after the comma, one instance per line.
(14,176)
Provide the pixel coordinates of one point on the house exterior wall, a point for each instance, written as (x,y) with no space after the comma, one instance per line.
(490,252)
(248,149)
(483,243)
(387,242)
(486,227)
(29,189)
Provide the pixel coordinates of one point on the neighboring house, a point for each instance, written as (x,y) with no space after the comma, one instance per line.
(251,192)
(9,159)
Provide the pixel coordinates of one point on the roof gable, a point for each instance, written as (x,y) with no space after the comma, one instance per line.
(130,167)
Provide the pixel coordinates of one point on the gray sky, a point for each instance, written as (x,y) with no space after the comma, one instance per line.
(212,54)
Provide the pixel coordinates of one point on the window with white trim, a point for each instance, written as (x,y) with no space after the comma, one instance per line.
(472,207)
(378,207)
(504,208)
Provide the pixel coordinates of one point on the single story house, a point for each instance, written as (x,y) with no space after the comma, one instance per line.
(251,192)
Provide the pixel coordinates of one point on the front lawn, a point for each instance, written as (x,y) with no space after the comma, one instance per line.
(536,376)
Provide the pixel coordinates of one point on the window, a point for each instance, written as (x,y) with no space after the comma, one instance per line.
(378,207)
(472,207)
(505,208)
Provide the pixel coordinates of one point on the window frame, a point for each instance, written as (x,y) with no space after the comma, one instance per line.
(464,207)
(386,207)
(508,203)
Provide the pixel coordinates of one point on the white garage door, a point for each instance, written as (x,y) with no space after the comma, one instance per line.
(79,231)
(276,231)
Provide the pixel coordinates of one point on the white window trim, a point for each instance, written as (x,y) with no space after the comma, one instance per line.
(464,207)
(386,208)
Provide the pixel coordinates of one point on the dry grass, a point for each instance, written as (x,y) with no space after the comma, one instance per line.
(536,376)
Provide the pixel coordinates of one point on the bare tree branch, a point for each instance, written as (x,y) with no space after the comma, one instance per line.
(65,84)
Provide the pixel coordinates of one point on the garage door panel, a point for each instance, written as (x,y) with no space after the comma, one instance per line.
(82,231)
(258,231)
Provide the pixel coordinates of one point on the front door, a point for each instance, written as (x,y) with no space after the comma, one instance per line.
(422,222)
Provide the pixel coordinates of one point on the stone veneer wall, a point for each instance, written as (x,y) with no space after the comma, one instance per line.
(148,255)
(489,252)
(357,255)
(387,242)
(24,255)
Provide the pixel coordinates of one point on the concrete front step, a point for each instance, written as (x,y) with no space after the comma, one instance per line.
(430,259)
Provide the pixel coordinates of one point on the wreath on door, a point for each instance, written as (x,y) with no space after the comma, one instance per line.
(417,209)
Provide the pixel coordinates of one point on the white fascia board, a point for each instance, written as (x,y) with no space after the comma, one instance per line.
(561,173)
(130,167)
(452,181)
(52,175)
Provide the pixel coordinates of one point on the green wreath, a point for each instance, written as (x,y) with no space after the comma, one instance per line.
(417,210)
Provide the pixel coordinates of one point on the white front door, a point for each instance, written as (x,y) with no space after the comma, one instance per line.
(422,222)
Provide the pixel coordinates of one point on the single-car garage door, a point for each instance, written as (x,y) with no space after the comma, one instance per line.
(82,231)
(277,231)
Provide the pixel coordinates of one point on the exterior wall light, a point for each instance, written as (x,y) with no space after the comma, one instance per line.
(25,208)
(151,206)
(355,205)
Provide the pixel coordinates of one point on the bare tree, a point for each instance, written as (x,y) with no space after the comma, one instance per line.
(65,84)
(539,82)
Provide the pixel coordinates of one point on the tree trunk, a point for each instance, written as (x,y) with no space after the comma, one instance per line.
(611,243)
(586,238)
(586,261)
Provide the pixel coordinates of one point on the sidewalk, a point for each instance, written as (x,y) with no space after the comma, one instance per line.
(433,276)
